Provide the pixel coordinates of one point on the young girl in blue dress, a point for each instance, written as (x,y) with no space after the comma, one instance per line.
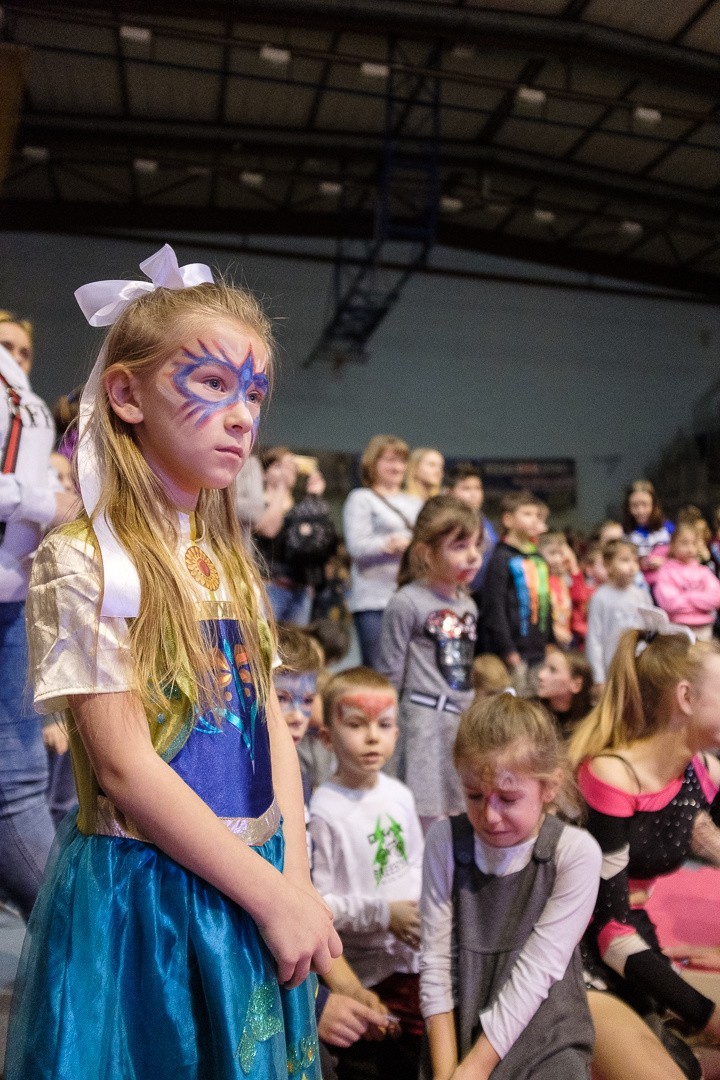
(177,926)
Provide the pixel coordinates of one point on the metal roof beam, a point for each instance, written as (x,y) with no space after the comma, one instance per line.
(87,219)
(66,134)
(536,34)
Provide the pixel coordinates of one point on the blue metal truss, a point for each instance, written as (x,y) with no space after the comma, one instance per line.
(406,212)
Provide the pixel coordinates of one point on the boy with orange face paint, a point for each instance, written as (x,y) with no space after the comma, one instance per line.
(367,864)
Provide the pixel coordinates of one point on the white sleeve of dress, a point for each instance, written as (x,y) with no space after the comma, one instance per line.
(436,911)
(72,649)
(545,956)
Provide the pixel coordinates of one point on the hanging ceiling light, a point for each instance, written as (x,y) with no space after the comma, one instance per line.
(646,114)
(373,70)
(451,205)
(136,35)
(252,179)
(631,228)
(275,55)
(543,216)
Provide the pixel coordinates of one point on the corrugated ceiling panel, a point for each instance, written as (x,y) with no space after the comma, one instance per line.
(571,112)
(499,63)
(605,81)
(660,19)
(631,211)
(76,184)
(616,153)
(364,46)
(247,62)
(599,238)
(231,194)
(708,134)
(689,246)
(670,128)
(462,125)
(192,27)
(545,139)
(27,184)
(193,191)
(558,195)
(250,103)
(705,34)
(342,111)
(469,95)
(73,84)
(187,51)
(69,34)
(655,249)
(690,166)
(171,95)
(671,97)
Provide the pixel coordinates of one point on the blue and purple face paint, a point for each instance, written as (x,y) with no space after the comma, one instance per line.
(236,383)
(296,693)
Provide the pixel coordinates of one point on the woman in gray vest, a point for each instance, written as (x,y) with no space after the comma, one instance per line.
(508,890)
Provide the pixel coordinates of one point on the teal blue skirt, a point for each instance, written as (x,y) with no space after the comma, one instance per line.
(134,968)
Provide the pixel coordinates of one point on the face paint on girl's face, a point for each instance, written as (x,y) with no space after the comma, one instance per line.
(199,411)
(296,694)
(222,376)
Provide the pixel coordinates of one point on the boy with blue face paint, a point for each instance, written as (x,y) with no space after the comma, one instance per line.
(296,679)
(345,1010)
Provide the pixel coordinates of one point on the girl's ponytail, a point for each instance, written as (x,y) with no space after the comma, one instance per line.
(412,564)
(617,718)
(636,701)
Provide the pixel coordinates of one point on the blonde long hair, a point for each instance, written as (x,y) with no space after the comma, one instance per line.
(636,698)
(411,485)
(9,317)
(166,638)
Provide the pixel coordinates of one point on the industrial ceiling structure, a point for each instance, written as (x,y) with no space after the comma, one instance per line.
(582,134)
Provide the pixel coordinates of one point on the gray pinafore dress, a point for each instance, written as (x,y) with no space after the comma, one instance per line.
(493,918)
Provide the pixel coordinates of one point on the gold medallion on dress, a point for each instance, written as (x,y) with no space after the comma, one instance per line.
(202,568)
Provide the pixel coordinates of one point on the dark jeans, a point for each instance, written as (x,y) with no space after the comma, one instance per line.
(367,625)
(26,827)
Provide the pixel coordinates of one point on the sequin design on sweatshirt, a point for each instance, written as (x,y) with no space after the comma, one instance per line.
(454,637)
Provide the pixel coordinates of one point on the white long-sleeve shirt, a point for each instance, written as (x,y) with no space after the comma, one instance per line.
(610,612)
(27,495)
(367,852)
(545,956)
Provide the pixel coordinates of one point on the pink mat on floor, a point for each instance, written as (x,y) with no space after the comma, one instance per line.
(685,907)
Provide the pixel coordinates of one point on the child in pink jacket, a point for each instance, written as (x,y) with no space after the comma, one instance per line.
(687,591)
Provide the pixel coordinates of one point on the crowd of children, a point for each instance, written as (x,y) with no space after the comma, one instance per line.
(458,837)
(534,952)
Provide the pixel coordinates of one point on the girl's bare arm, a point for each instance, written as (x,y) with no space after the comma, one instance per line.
(443,1045)
(296,927)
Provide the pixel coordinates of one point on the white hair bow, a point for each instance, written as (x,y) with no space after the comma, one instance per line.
(102,302)
(654,621)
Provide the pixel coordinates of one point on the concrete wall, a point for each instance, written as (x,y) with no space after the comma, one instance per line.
(474,368)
